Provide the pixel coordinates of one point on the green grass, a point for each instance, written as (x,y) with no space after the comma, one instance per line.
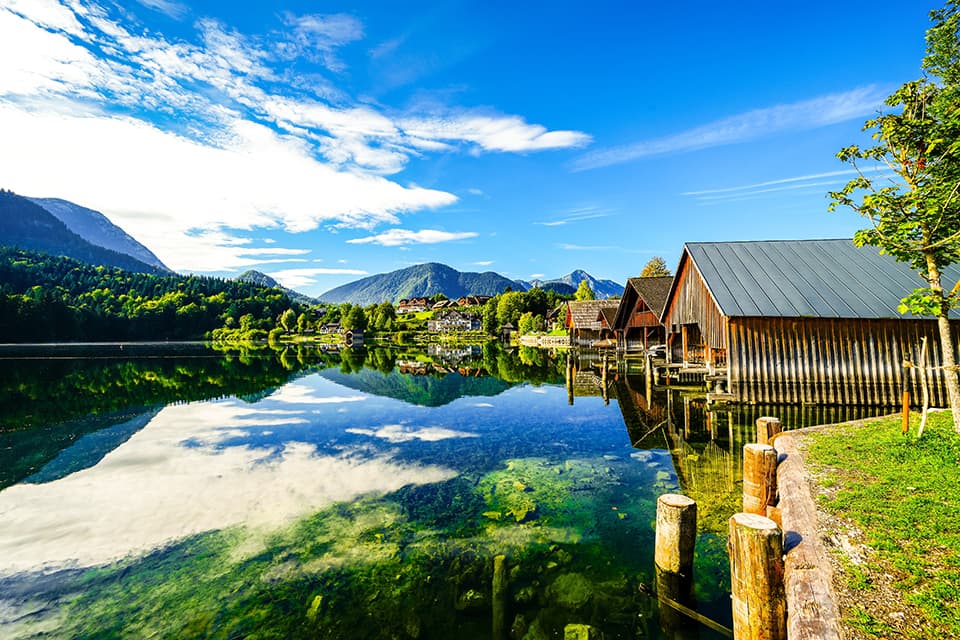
(904,494)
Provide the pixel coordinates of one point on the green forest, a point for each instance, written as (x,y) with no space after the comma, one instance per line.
(45,298)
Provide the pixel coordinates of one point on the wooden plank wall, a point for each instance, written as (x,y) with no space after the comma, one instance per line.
(693,304)
(831,361)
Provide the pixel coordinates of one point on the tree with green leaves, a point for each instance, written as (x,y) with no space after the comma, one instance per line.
(288,320)
(584,292)
(657,267)
(914,205)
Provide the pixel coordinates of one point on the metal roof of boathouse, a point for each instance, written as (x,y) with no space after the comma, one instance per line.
(805,278)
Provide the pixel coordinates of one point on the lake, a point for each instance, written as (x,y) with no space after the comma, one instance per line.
(180,491)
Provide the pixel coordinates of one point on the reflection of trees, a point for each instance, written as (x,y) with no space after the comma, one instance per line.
(47,403)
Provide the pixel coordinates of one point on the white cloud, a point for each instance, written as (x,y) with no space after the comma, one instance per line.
(798,116)
(535,276)
(398,433)
(297,278)
(482,263)
(302,393)
(92,517)
(317,36)
(492,133)
(259,179)
(185,142)
(399,237)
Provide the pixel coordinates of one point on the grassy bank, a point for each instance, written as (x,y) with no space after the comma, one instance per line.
(896,531)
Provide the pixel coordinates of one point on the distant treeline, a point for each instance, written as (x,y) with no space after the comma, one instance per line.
(45,298)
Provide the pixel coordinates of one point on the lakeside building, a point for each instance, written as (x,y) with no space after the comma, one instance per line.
(637,323)
(585,321)
(801,321)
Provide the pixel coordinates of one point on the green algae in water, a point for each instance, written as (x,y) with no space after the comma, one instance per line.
(400,566)
(556,490)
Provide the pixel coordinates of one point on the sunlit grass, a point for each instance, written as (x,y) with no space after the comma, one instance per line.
(903,494)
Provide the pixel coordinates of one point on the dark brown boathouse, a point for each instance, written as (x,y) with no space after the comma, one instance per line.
(637,322)
(801,321)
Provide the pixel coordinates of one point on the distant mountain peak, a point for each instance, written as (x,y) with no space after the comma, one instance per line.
(419,281)
(26,224)
(97,229)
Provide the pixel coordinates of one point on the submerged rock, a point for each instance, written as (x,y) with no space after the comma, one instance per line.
(571,590)
(471,600)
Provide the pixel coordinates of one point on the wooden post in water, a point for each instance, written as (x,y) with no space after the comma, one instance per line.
(676,533)
(767,427)
(673,558)
(500,630)
(756,578)
(759,478)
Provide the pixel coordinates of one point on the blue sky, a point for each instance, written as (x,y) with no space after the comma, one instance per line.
(321,142)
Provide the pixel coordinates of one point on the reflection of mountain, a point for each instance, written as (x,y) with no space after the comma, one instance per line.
(91,448)
(48,403)
(424,390)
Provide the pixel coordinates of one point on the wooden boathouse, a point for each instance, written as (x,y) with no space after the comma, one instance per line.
(586,322)
(637,322)
(801,321)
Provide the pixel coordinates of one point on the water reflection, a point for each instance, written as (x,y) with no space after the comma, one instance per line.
(335,495)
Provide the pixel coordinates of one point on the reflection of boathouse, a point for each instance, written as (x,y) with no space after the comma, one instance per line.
(808,321)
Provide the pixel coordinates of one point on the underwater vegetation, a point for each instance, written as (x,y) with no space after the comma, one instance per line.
(575,547)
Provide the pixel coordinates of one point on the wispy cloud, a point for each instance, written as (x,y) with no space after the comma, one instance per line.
(482,263)
(400,237)
(579,214)
(171,9)
(224,117)
(759,189)
(798,116)
(297,278)
(580,247)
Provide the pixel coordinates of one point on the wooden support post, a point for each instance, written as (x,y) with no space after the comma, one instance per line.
(673,558)
(756,578)
(500,629)
(906,412)
(676,533)
(767,427)
(759,478)
(581,632)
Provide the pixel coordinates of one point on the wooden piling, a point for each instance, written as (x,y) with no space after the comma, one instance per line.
(676,533)
(756,578)
(500,630)
(767,427)
(759,478)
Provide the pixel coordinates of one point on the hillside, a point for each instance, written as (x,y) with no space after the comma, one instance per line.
(27,225)
(422,280)
(45,298)
(263,280)
(96,228)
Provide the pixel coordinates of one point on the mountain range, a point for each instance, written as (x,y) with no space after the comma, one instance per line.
(60,227)
(82,234)
(425,280)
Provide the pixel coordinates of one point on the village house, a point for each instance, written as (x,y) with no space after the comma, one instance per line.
(585,321)
(801,321)
(637,321)
(413,305)
(453,320)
